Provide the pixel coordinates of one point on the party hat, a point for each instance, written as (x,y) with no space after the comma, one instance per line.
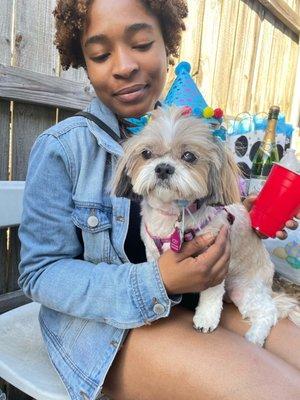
(185,93)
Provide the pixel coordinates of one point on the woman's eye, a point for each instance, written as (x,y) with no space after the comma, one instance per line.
(147,154)
(189,157)
(145,46)
(101,58)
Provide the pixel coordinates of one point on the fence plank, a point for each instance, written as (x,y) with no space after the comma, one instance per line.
(3,262)
(75,75)
(33,42)
(4,139)
(12,393)
(5,31)
(244,55)
(208,54)
(4,157)
(13,300)
(225,53)
(63,114)
(33,87)
(193,35)
(28,123)
(13,259)
(284,13)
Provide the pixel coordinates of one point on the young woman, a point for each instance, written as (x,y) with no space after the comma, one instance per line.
(112,322)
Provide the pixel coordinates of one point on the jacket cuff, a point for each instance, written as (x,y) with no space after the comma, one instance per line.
(150,295)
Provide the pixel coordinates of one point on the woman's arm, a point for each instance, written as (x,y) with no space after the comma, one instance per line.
(51,271)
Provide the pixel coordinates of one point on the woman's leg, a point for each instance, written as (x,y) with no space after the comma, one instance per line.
(284,339)
(170,360)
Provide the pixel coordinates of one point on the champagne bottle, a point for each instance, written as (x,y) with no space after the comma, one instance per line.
(266,155)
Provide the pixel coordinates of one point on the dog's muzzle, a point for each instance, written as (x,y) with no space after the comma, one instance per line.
(164,171)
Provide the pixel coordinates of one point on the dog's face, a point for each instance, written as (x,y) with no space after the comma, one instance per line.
(176,157)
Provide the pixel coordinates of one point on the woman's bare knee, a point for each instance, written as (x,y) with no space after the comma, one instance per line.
(283,340)
(170,360)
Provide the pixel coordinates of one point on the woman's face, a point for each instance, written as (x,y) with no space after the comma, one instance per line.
(125,56)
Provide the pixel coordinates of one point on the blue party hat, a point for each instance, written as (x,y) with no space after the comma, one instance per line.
(185,93)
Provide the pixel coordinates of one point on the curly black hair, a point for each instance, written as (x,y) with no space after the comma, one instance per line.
(70,18)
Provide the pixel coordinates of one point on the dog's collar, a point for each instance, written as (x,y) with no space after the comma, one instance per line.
(189,234)
(190,209)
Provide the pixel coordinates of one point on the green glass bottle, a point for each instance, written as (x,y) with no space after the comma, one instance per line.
(266,155)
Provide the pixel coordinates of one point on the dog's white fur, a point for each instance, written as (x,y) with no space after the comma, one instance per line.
(213,176)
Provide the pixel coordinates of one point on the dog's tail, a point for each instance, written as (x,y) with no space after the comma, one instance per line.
(287,307)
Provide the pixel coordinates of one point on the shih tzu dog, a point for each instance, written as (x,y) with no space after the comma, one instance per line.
(188,182)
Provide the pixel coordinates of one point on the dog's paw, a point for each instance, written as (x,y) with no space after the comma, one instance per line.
(254,337)
(206,323)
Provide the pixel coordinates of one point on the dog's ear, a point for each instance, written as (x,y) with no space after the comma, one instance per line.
(230,177)
(121,185)
(214,186)
(224,182)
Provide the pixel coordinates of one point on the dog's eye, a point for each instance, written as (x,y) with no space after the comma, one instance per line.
(189,157)
(147,154)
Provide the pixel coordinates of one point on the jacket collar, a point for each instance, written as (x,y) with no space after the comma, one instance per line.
(100,110)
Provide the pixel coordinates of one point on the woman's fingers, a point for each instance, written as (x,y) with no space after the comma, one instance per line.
(195,246)
(215,272)
(282,235)
(292,224)
(249,201)
(188,272)
(217,254)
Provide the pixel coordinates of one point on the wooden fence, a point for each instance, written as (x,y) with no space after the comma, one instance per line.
(244,55)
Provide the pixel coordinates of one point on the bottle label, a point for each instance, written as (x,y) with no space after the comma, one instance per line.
(267,147)
(256,185)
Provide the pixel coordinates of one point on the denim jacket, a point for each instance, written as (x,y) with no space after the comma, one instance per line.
(72,253)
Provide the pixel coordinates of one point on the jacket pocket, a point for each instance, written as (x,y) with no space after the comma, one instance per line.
(95,224)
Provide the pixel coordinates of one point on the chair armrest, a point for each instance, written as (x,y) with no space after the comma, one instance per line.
(11,202)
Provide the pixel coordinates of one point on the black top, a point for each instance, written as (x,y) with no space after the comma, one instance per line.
(135,250)
(134,247)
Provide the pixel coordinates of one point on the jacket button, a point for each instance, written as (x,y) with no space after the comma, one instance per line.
(83,395)
(159,309)
(93,221)
(119,218)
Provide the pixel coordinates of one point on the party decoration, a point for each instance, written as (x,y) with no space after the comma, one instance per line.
(185,93)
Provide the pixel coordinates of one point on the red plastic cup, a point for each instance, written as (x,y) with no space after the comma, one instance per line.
(277,202)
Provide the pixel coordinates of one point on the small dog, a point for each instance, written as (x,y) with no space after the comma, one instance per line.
(176,160)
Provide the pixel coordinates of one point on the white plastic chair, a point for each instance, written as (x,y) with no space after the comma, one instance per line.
(24,362)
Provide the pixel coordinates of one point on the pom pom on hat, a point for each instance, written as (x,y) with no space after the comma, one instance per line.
(184,66)
(218,113)
(208,112)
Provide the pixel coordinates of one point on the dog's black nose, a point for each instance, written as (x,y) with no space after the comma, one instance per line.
(163,171)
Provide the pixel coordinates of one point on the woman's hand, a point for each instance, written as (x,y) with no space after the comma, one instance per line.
(202,263)
(290,224)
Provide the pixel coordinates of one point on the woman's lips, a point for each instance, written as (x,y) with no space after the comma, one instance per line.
(132,94)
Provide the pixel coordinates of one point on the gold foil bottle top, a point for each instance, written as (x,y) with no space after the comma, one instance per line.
(270,131)
(274,112)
